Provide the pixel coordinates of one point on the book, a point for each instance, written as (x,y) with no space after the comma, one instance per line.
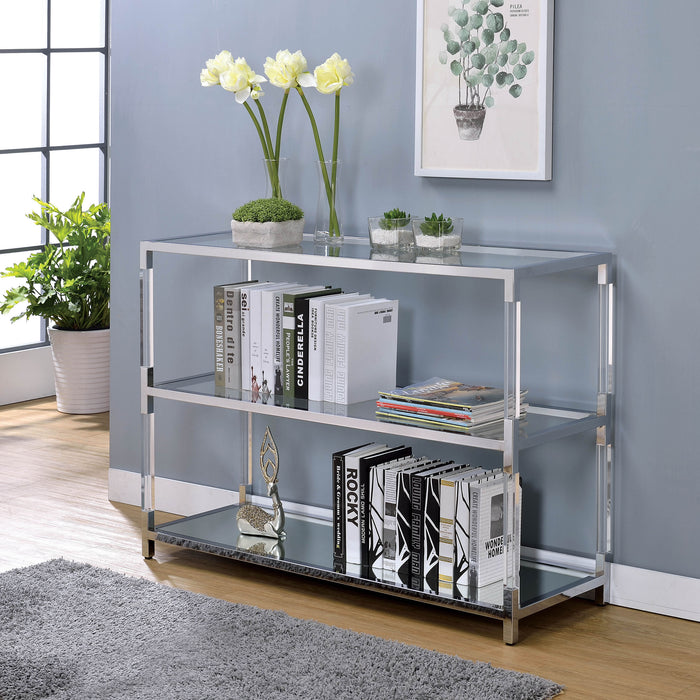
(389,550)
(246,376)
(271,336)
(366,336)
(446,550)
(369,547)
(290,328)
(338,466)
(329,349)
(302,330)
(420,495)
(317,323)
(351,488)
(376,516)
(404,522)
(227,334)
(434,526)
(259,384)
(219,352)
(487,541)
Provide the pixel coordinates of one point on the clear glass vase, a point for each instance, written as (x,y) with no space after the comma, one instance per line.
(328,222)
(275,177)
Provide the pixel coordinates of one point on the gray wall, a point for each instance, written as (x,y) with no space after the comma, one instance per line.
(625,177)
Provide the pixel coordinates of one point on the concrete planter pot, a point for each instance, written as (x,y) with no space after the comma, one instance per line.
(470,121)
(81,369)
(267,234)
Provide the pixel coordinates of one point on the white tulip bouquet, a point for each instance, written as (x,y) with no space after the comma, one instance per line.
(286,71)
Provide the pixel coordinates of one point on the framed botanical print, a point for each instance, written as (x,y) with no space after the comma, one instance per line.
(484,89)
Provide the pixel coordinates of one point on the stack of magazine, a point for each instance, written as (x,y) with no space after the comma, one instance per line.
(446,404)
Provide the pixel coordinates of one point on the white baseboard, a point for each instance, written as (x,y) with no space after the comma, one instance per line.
(27,375)
(630,587)
(655,591)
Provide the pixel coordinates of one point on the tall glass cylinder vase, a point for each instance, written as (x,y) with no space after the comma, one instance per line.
(275,177)
(329,229)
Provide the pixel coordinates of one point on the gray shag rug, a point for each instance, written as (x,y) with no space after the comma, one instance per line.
(74,631)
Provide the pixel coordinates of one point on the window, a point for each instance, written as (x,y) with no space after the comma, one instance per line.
(54,82)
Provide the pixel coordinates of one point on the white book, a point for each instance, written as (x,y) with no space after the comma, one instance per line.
(317,322)
(448,504)
(245,334)
(366,336)
(376,498)
(256,323)
(390,499)
(487,545)
(271,335)
(351,481)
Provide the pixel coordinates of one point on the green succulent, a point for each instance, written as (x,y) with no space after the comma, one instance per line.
(436,225)
(261,210)
(393,219)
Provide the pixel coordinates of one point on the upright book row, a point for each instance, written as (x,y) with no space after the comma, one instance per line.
(294,343)
(426,524)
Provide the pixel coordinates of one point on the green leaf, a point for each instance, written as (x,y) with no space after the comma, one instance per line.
(528,58)
(481,6)
(497,3)
(468,47)
(474,79)
(456,68)
(475,21)
(501,78)
(495,22)
(490,53)
(505,34)
(513,59)
(461,17)
(511,46)
(478,61)
(442,57)
(515,90)
(487,36)
(509,78)
(493,69)
(522,47)
(453,47)
(448,36)
(520,71)
(487,80)
(444,27)
(489,101)
(502,59)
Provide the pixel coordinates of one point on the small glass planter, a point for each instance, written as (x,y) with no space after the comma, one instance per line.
(390,234)
(438,237)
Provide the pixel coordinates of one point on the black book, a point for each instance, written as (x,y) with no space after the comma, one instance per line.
(367,547)
(338,462)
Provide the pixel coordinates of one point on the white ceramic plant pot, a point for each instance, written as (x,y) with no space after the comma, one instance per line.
(268,234)
(81,369)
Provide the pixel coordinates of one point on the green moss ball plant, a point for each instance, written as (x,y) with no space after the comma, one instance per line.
(268,223)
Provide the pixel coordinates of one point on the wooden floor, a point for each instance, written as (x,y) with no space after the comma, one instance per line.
(53,503)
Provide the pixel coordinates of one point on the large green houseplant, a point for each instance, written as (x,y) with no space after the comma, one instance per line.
(67,282)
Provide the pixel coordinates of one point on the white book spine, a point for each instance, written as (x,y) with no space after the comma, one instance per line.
(486,542)
(232,337)
(341,354)
(446,565)
(329,355)
(316,342)
(376,520)
(255,325)
(245,339)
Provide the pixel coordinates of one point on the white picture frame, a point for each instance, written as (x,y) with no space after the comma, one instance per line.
(514,104)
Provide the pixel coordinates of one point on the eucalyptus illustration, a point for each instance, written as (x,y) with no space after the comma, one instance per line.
(483,55)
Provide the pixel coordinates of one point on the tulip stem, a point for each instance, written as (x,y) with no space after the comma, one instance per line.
(272,161)
(283,107)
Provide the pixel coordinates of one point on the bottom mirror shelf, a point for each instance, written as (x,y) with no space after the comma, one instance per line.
(307,550)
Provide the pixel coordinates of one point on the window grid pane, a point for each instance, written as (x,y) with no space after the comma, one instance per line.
(75,24)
